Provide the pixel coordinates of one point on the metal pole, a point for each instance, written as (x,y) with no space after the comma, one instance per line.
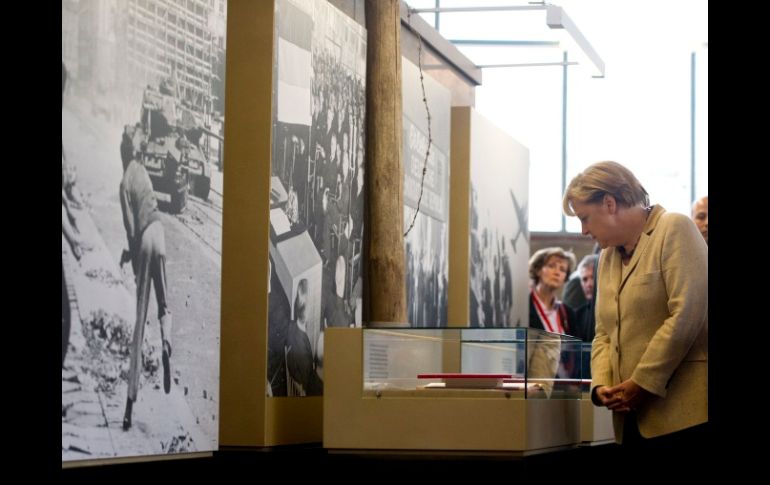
(478,9)
(564,137)
(438,14)
(692,127)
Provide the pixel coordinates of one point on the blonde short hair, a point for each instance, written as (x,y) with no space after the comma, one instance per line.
(605,178)
(541,256)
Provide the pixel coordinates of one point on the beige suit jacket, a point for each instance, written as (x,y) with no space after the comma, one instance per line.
(652,324)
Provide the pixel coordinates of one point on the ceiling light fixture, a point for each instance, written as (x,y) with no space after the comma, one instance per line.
(570,37)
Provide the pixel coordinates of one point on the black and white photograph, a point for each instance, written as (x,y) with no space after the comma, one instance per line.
(316,190)
(499,239)
(427,243)
(142,172)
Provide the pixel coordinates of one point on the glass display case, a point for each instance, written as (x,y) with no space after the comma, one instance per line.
(523,362)
(585,366)
(511,390)
(595,421)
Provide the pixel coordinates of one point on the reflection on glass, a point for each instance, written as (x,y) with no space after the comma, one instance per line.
(522,362)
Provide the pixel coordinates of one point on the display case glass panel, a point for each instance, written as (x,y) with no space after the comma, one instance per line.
(585,366)
(526,363)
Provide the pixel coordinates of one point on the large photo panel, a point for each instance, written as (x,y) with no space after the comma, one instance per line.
(427,243)
(142,172)
(317,189)
(499,235)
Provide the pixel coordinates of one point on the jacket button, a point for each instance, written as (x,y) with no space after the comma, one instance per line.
(617,349)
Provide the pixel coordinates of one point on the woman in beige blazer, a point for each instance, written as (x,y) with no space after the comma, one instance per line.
(649,361)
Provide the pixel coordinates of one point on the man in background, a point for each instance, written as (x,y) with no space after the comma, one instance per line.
(574,295)
(700,215)
(585,328)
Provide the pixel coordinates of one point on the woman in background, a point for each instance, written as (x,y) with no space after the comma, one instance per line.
(548,271)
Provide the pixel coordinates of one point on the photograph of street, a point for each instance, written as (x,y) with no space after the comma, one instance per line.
(142,172)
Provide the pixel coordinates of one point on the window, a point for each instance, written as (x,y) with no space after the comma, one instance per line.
(638,115)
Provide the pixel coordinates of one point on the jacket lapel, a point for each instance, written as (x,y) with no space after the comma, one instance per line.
(641,247)
(614,271)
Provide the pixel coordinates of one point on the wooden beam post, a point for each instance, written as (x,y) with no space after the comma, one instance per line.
(387,281)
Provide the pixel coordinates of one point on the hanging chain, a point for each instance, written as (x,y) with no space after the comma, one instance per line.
(427,112)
